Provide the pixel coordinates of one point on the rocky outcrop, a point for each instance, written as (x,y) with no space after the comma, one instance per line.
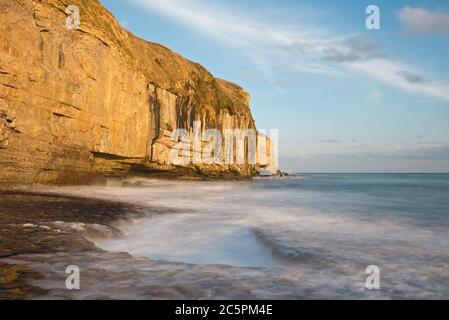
(79,104)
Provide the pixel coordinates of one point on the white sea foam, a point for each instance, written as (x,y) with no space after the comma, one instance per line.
(315,240)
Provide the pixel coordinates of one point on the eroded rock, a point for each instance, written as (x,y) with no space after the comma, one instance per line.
(98,101)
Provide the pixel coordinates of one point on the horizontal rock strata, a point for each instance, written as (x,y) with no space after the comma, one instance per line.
(79,104)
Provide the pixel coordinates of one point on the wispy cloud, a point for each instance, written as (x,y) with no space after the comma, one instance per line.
(307,49)
(399,75)
(352,49)
(422,157)
(330,141)
(411,77)
(425,22)
(422,151)
(214,20)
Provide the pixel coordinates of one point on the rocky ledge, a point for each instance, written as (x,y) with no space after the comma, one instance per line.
(34,223)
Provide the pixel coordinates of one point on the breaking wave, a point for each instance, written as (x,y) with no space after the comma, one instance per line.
(309,237)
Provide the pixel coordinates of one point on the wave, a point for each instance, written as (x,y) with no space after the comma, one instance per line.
(318,239)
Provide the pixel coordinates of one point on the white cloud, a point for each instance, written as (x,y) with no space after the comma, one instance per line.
(316,69)
(402,76)
(232,28)
(425,22)
(272,45)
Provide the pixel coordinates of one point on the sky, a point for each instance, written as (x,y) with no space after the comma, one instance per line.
(344,98)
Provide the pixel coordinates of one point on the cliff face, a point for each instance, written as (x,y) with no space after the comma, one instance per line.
(98,101)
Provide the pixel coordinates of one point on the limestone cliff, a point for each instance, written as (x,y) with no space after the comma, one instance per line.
(76,105)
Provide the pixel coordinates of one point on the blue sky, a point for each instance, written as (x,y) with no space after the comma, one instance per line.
(344,98)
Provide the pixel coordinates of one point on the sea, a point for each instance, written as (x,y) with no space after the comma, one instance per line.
(309,236)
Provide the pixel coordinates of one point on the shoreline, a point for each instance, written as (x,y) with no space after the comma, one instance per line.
(102,181)
(221,239)
(40,223)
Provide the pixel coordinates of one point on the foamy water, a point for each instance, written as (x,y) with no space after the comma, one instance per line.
(308,237)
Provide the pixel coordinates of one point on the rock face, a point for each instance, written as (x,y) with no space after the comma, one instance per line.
(78,104)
